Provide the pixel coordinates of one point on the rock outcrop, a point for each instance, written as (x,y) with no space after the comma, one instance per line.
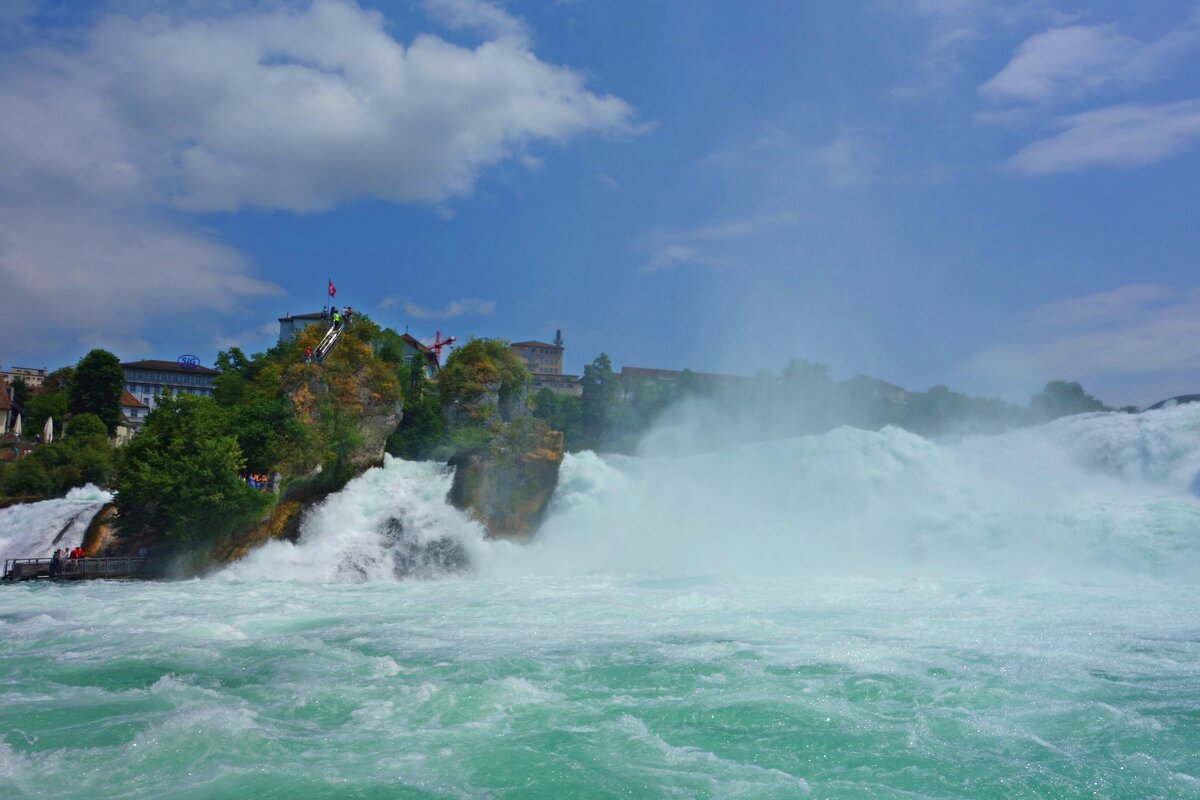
(507,483)
(373,417)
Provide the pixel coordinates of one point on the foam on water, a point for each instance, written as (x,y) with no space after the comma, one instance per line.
(390,523)
(600,686)
(1094,496)
(850,615)
(36,530)
(1100,496)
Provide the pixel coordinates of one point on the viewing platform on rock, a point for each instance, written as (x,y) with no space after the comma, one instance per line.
(74,569)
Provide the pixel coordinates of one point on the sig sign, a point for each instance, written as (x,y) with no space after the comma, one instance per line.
(188,361)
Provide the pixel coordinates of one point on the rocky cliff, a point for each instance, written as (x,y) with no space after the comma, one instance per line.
(508,483)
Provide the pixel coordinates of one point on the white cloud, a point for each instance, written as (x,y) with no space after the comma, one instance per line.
(487,18)
(456,308)
(848,160)
(954,27)
(704,246)
(1100,309)
(297,110)
(1122,136)
(1076,60)
(201,108)
(95,278)
(1134,330)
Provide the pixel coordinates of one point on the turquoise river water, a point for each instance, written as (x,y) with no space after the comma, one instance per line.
(844,616)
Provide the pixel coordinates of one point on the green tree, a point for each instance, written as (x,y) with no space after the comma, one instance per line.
(20,392)
(44,405)
(600,395)
(181,474)
(1063,398)
(82,456)
(236,372)
(27,478)
(422,429)
(96,388)
(562,413)
(480,366)
(60,380)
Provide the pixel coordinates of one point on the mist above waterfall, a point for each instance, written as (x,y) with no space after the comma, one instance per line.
(1088,496)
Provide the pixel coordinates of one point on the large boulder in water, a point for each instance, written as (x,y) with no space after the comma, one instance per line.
(507,483)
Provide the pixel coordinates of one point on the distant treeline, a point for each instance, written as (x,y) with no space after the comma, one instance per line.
(614,414)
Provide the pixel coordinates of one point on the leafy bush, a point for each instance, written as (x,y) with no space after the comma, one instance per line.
(84,455)
(181,474)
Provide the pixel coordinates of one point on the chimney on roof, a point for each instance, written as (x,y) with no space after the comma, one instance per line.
(558,342)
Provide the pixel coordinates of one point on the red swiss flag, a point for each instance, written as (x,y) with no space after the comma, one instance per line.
(332,288)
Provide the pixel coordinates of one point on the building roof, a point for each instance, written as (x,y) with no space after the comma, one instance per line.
(424,349)
(535,343)
(129,401)
(415,342)
(168,366)
(317,315)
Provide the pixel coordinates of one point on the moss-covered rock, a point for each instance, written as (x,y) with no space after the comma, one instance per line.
(507,483)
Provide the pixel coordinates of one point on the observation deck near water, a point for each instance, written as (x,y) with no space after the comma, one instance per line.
(74,569)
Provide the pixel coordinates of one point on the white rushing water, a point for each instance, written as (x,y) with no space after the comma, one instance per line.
(858,614)
(1092,497)
(36,530)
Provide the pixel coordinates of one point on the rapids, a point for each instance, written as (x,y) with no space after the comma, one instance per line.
(36,530)
(859,614)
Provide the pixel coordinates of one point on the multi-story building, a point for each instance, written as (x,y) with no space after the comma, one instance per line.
(545,364)
(33,376)
(144,380)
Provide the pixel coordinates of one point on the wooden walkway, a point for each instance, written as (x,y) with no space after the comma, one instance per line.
(74,569)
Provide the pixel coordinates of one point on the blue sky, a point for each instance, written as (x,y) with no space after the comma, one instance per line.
(984,194)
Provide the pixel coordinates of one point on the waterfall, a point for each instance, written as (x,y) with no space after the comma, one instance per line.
(36,530)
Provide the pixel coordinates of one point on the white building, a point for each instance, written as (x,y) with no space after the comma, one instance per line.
(291,325)
(144,380)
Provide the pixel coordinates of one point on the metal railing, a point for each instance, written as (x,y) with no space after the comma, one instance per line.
(328,343)
(23,569)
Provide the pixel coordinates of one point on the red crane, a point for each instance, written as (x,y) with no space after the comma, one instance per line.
(438,344)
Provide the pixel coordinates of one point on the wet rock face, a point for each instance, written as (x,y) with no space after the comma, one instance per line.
(413,557)
(508,483)
(375,429)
